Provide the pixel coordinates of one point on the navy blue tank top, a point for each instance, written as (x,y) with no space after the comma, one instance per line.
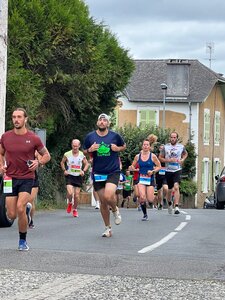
(145,166)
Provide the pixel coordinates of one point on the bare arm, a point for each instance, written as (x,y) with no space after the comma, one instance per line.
(85,166)
(116,148)
(2,160)
(45,156)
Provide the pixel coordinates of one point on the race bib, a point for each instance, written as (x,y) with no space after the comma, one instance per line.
(173,166)
(144,180)
(99,177)
(7,185)
(162,172)
(75,170)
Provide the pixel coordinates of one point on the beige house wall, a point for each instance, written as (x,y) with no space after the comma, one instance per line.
(175,121)
(214,102)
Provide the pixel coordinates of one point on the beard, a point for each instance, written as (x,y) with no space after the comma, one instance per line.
(102,129)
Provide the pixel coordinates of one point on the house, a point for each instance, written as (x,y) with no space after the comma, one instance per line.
(184,95)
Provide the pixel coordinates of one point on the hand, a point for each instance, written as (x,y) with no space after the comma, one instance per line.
(114,148)
(2,170)
(34,165)
(93,147)
(150,172)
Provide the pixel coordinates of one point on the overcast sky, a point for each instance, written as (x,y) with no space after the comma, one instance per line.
(162,29)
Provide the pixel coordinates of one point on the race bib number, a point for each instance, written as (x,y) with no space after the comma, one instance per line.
(173,166)
(7,187)
(99,177)
(144,180)
(162,172)
(75,170)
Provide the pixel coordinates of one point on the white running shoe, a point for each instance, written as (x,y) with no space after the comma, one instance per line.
(170,209)
(117,216)
(176,210)
(97,206)
(107,232)
(28,211)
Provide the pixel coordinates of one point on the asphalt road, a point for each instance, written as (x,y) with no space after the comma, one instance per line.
(168,257)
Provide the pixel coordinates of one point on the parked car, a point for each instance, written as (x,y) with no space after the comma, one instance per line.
(220,190)
(4,220)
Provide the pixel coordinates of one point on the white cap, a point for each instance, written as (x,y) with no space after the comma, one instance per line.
(103,116)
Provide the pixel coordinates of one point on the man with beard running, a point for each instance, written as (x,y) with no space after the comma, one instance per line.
(104,146)
(173,155)
(18,164)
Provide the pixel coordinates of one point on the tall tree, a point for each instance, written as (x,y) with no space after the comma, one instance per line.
(63,66)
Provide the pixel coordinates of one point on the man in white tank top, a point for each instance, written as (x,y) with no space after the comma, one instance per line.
(173,155)
(74,164)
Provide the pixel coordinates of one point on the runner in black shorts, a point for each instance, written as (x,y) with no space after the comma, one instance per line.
(17,152)
(104,146)
(173,155)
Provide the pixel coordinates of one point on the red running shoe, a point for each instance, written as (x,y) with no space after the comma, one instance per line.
(69,208)
(75,213)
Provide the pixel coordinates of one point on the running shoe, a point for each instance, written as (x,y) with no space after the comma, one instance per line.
(107,232)
(69,207)
(23,245)
(31,225)
(160,207)
(176,210)
(145,218)
(28,210)
(75,213)
(97,206)
(170,209)
(117,216)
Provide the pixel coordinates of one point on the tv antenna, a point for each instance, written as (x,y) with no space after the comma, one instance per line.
(210,50)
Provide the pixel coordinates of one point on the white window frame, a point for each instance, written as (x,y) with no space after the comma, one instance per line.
(216,169)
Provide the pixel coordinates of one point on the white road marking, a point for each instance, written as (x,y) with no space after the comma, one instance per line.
(181,226)
(167,237)
(188,218)
(159,243)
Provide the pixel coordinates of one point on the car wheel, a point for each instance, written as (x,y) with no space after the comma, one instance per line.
(4,220)
(219,205)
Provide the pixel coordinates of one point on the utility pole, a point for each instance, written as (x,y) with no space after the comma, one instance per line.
(3,60)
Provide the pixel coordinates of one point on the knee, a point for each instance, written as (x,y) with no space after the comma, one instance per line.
(11,214)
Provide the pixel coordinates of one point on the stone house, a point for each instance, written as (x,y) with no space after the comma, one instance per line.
(193,104)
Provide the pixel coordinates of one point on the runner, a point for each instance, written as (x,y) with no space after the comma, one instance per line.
(173,155)
(74,164)
(148,166)
(104,146)
(18,164)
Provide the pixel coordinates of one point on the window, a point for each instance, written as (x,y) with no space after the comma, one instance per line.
(206,175)
(217,128)
(178,79)
(206,126)
(147,117)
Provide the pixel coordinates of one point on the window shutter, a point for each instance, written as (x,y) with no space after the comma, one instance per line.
(147,117)
(206,126)
(209,175)
(203,175)
(217,128)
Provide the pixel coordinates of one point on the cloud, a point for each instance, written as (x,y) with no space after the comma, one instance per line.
(166,28)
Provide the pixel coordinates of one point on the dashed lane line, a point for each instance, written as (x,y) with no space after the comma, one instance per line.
(167,237)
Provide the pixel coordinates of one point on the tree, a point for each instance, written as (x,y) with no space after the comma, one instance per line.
(64,68)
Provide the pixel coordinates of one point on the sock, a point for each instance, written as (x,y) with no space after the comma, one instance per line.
(169,203)
(176,205)
(143,207)
(23,235)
